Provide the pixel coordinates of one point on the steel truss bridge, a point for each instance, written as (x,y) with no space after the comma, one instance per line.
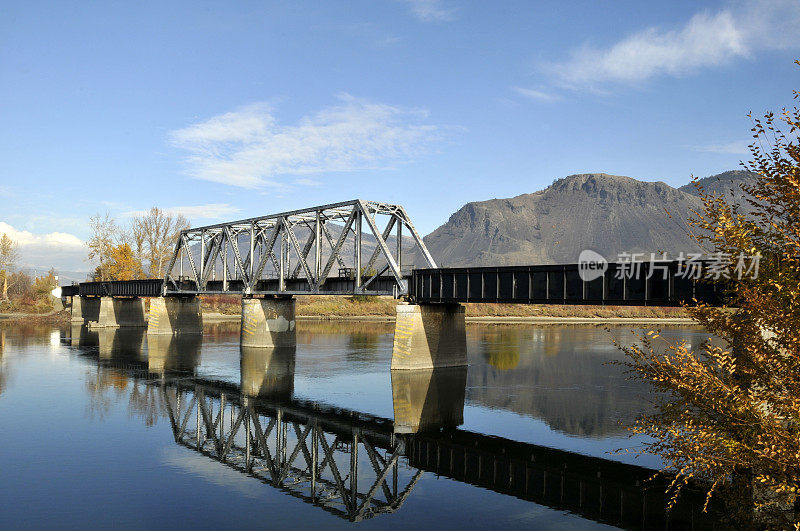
(297,252)
(353,465)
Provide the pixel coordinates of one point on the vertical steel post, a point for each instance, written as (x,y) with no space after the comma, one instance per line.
(282,263)
(202,259)
(225,266)
(358,249)
(317,250)
(252,249)
(400,245)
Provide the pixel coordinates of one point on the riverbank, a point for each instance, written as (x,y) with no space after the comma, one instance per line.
(219,317)
(344,307)
(383,309)
(55,318)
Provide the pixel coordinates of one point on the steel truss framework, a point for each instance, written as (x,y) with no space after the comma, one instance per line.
(310,459)
(264,256)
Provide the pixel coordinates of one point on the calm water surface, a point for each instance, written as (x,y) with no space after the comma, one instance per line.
(100,430)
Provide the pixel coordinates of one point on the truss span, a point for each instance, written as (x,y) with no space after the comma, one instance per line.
(297,252)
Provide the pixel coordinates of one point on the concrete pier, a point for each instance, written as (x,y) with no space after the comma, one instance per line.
(429,337)
(85,310)
(267,372)
(120,312)
(175,316)
(268,322)
(428,399)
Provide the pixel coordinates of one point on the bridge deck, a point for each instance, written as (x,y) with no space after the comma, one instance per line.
(562,284)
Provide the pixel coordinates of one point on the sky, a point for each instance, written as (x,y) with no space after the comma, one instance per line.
(223,110)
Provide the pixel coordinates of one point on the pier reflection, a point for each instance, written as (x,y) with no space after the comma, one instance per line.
(428,399)
(359,466)
(267,372)
(173,355)
(123,344)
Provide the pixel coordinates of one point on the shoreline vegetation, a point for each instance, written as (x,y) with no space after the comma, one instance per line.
(371,308)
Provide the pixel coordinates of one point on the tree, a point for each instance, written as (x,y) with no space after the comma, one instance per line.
(729,415)
(8,258)
(154,235)
(123,265)
(101,243)
(42,286)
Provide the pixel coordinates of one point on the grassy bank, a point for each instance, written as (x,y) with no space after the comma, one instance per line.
(328,306)
(343,306)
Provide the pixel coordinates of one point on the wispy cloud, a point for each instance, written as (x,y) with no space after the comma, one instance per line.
(306,182)
(249,148)
(539,95)
(430,10)
(706,40)
(209,211)
(739,147)
(55,249)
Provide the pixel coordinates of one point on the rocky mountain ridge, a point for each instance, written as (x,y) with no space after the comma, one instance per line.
(609,214)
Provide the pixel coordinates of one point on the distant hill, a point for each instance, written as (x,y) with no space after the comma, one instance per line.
(607,213)
(727,184)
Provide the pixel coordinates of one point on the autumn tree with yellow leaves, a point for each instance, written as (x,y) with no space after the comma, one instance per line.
(123,265)
(728,417)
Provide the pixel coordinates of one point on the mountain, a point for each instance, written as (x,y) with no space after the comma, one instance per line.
(609,214)
(727,184)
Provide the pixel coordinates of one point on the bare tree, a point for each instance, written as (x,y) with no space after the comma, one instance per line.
(137,239)
(104,229)
(9,253)
(154,235)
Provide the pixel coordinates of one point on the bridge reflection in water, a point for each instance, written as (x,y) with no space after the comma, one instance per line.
(356,465)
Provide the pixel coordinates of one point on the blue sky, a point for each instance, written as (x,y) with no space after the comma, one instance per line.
(230,110)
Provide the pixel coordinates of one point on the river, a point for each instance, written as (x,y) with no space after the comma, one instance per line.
(101,429)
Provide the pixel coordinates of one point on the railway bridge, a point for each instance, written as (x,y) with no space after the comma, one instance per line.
(355,247)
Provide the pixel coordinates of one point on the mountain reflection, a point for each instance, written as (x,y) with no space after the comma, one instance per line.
(540,372)
(358,466)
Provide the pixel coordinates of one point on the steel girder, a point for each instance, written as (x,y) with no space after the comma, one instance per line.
(299,249)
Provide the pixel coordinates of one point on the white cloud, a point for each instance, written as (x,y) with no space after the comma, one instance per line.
(250,149)
(739,147)
(536,94)
(306,182)
(430,10)
(706,40)
(56,249)
(208,211)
